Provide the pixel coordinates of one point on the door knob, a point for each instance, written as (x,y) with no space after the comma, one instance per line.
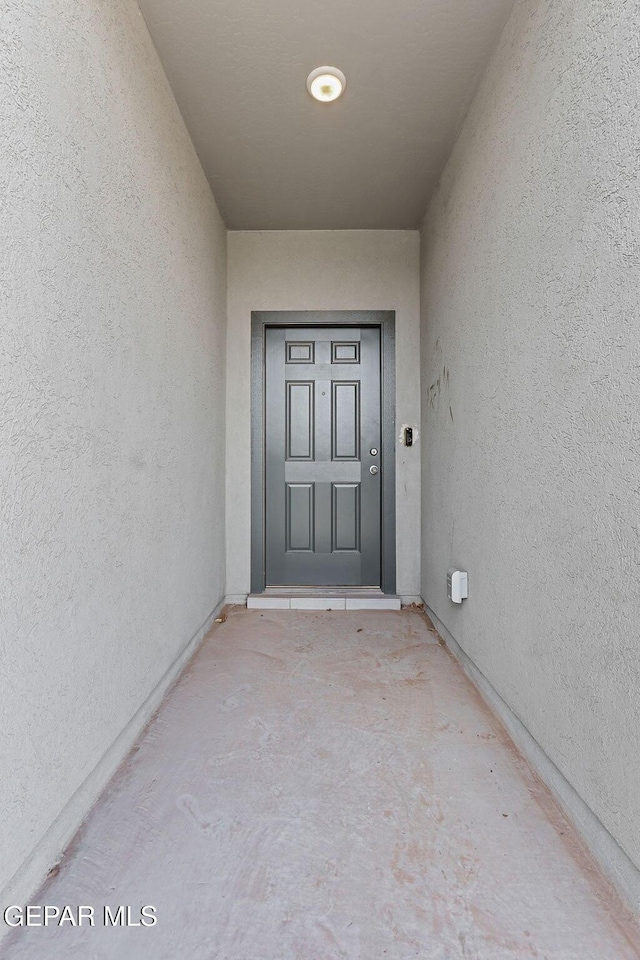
(374,469)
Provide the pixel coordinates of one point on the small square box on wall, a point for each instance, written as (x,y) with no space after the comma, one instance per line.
(457,585)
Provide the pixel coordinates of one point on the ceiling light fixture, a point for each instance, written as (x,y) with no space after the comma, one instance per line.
(326,83)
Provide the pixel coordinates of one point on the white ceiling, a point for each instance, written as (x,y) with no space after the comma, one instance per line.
(277,159)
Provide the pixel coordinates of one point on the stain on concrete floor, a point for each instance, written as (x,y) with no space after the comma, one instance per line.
(329,785)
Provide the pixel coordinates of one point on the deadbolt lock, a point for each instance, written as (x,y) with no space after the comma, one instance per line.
(374,469)
(374,451)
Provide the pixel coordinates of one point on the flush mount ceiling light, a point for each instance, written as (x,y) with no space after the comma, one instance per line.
(326,83)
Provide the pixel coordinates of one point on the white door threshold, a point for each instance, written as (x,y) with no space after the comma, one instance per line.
(350,601)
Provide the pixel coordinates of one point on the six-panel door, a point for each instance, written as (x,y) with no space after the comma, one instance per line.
(322,439)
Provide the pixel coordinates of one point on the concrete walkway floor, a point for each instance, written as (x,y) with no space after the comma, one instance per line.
(322,786)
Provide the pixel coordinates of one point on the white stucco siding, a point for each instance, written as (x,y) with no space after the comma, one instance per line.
(322,270)
(531,386)
(112,379)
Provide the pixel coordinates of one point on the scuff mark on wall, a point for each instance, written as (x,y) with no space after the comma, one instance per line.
(439,389)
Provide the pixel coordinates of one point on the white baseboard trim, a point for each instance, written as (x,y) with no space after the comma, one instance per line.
(240,599)
(31,875)
(607,852)
(261,601)
(236,599)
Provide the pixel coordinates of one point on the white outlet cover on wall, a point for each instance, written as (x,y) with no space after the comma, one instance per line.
(457,585)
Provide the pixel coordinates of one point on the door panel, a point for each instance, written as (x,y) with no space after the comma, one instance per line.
(300,516)
(345,432)
(322,418)
(300,425)
(345,511)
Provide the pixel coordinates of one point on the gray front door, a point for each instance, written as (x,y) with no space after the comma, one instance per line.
(323,456)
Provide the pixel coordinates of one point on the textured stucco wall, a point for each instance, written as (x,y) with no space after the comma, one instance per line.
(322,270)
(112,395)
(531,385)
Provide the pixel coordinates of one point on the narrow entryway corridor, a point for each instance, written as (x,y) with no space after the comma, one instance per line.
(329,785)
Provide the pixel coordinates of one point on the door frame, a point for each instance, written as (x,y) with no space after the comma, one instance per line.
(386,321)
